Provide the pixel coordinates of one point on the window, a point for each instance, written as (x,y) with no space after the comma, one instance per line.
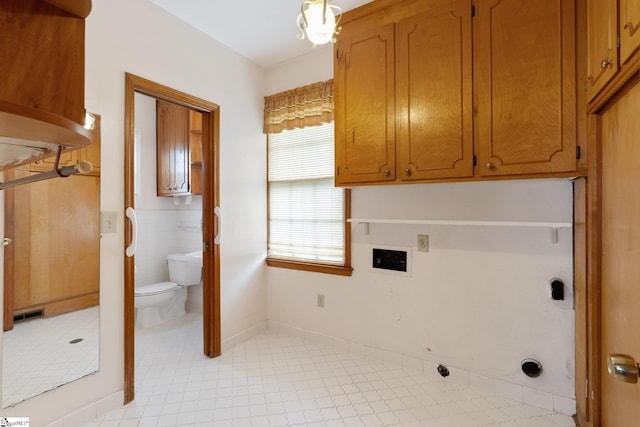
(307,228)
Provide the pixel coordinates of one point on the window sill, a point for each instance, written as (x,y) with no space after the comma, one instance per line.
(309,266)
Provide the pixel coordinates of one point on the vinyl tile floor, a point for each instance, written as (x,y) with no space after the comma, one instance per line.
(275,379)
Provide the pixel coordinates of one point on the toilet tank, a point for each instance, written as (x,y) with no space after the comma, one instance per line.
(185,269)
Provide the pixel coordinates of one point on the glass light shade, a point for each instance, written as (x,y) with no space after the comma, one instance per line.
(319,32)
(89,121)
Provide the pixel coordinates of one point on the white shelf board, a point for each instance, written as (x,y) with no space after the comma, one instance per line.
(553,226)
(544,224)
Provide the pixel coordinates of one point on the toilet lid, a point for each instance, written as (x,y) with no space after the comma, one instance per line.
(155,288)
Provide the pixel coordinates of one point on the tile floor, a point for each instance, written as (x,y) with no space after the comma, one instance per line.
(42,354)
(279,380)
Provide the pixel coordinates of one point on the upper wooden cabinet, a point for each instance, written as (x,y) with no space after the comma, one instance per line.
(602,48)
(434,105)
(629,26)
(364,106)
(613,45)
(172,133)
(473,83)
(525,83)
(42,67)
(179,150)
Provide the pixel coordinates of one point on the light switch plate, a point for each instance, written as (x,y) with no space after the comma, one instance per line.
(423,243)
(108,222)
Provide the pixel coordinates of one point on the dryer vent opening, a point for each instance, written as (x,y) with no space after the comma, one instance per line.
(531,368)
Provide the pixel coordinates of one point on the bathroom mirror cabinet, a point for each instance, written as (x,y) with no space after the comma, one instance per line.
(51,277)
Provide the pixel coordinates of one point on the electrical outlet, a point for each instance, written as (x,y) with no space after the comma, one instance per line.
(423,243)
(320,301)
(108,222)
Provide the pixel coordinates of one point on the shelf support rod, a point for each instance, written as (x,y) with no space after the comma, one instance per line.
(80,167)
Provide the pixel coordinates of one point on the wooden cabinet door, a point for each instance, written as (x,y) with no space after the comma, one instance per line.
(629,26)
(524,59)
(172,149)
(602,52)
(364,107)
(434,124)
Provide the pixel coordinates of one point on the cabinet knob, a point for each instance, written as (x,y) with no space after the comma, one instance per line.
(387,172)
(407,171)
(605,63)
(491,166)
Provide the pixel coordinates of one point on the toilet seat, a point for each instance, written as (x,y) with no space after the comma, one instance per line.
(155,289)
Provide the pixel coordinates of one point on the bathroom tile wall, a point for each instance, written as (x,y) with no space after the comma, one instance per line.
(164,232)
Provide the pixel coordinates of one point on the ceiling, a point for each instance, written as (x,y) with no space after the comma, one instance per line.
(261,30)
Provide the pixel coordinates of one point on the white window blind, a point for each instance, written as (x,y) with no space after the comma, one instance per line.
(306,211)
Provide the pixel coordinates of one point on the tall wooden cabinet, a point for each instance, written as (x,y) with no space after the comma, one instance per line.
(509,108)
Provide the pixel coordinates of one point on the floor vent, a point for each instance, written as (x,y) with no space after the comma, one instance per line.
(27,316)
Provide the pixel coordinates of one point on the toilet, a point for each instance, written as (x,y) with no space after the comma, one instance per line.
(156,303)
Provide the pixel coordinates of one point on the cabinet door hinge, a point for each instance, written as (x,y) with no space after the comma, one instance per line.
(473,10)
(338,170)
(475,160)
(578,152)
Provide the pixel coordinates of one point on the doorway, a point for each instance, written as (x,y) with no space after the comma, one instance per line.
(210,216)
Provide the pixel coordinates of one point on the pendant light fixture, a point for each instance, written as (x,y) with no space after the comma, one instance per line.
(318,21)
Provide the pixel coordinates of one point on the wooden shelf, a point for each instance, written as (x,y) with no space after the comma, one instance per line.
(28,134)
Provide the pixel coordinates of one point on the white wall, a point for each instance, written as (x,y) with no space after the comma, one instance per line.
(479,301)
(136,36)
